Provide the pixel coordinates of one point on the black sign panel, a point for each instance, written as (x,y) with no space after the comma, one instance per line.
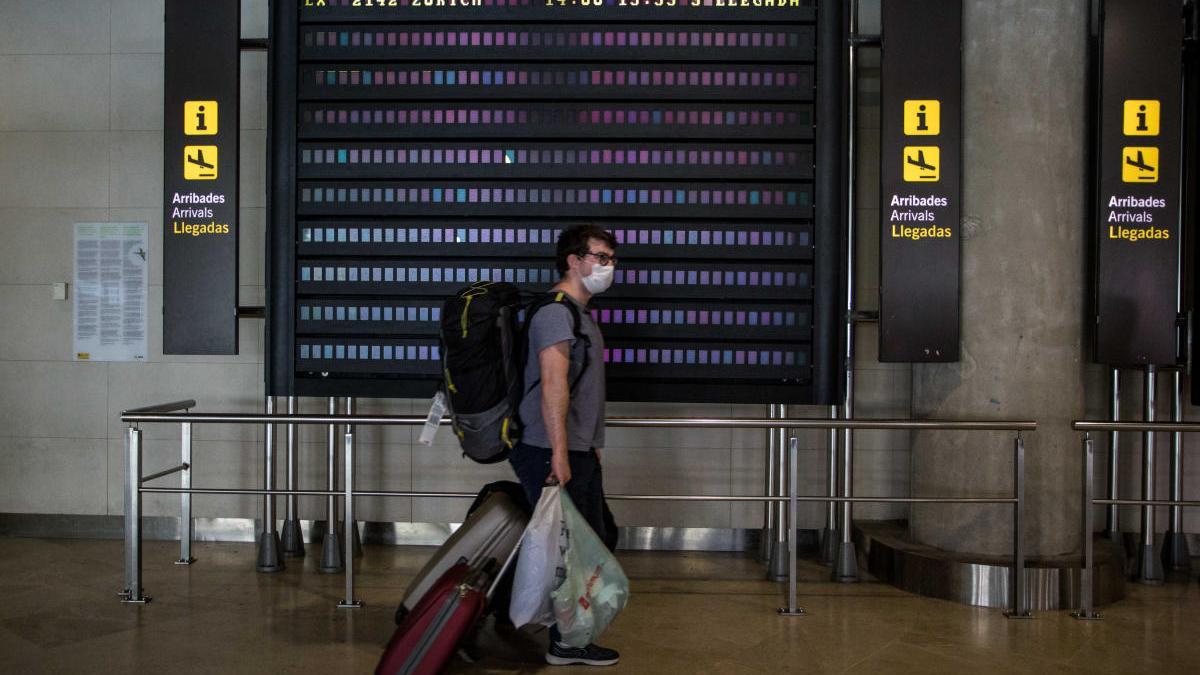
(200,177)
(920,175)
(418,147)
(1139,165)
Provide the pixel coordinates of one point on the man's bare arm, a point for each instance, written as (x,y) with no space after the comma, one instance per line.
(554,362)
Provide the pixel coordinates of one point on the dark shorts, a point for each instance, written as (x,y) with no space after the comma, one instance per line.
(586,487)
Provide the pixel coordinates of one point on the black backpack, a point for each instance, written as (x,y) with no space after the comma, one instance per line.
(483,364)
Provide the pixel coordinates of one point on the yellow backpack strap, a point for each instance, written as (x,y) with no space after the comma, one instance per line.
(504,433)
(478,288)
(466,309)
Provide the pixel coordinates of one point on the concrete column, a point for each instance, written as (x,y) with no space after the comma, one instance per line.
(1024,290)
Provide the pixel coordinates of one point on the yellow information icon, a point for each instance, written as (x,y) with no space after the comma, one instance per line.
(200,162)
(1139,165)
(922,117)
(1141,117)
(200,118)
(922,163)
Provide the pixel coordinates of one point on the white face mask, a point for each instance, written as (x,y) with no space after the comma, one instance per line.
(600,279)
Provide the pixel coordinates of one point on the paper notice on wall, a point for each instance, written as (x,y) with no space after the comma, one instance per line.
(111,289)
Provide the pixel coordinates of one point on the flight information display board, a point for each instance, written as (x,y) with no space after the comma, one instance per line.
(418,146)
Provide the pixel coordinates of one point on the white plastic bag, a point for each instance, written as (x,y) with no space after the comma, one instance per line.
(540,562)
(595,588)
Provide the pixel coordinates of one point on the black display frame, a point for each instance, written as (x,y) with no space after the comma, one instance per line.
(824,214)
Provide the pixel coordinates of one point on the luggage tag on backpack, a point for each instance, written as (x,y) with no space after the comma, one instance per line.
(437,411)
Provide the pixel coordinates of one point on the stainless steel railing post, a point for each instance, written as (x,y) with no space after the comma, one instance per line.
(185,499)
(1087,577)
(766,549)
(350,529)
(777,566)
(1020,609)
(269,558)
(1175,553)
(331,548)
(133,592)
(292,537)
(1149,566)
(355,542)
(829,537)
(1113,511)
(793,487)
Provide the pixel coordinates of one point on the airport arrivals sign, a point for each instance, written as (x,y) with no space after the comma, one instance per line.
(200,177)
(921,129)
(1137,210)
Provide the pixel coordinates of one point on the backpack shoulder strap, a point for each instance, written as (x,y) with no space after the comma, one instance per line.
(559,297)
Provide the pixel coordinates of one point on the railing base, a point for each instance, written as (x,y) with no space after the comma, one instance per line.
(331,554)
(1010,614)
(845,569)
(128,599)
(1149,569)
(357,604)
(1175,554)
(1116,536)
(269,559)
(784,611)
(185,561)
(1087,616)
(292,538)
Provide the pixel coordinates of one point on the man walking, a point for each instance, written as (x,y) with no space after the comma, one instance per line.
(563,406)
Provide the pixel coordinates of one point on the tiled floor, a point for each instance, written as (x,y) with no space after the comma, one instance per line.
(689,613)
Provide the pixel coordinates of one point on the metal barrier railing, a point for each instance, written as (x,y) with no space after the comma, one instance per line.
(1086,610)
(134,488)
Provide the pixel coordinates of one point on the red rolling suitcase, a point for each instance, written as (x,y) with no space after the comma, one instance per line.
(492,529)
(428,635)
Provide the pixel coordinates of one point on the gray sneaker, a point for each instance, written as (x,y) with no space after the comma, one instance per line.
(591,655)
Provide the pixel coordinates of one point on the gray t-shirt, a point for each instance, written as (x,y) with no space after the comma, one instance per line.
(551,325)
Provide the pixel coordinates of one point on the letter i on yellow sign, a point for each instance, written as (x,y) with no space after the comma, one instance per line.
(200,118)
(1141,117)
(922,117)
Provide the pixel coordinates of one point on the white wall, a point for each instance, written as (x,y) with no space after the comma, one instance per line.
(81,141)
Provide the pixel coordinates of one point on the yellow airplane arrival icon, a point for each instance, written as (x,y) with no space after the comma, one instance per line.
(200,162)
(1139,165)
(921,163)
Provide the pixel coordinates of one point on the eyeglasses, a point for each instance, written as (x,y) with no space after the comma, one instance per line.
(602,258)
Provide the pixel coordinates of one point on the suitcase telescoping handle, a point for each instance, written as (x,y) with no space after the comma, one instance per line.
(512,558)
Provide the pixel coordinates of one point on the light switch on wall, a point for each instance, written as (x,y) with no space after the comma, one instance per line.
(59,290)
